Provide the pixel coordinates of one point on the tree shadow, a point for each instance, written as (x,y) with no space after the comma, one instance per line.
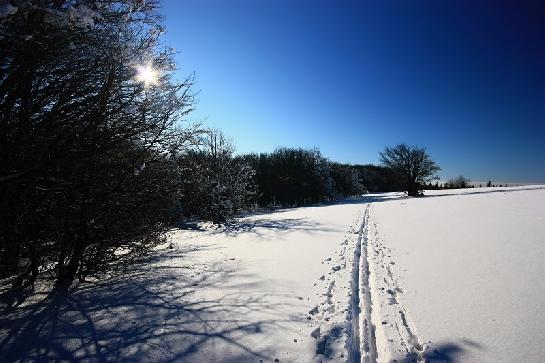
(323,344)
(190,226)
(447,352)
(496,190)
(263,226)
(153,313)
(11,298)
(393,196)
(260,222)
(385,197)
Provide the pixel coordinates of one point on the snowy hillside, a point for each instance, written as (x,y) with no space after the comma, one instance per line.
(455,276)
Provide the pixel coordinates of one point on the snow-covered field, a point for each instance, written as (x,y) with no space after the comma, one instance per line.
(454,276)
(470,265)
(275,286)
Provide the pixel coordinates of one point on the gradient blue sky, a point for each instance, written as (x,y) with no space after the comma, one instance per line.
(466,79)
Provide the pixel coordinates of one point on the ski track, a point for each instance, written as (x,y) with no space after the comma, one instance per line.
(387,333)
(368,343)
(335,321)
(354,354)
(376,326)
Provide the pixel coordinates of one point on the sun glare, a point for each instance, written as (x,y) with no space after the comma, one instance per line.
(147,75)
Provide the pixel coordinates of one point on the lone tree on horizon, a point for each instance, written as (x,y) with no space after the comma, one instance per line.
(412,164)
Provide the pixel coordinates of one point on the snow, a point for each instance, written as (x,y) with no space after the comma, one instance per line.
(455,276)
(82,16)
(466,267)
(296,266)
(240,293)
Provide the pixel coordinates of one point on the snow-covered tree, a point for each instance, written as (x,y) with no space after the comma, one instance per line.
(89,114)
(346,180)
(216,185)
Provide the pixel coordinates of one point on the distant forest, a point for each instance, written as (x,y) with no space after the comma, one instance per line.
(216,183)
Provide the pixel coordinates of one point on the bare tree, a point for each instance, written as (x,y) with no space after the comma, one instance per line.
(459,182)
(412,164)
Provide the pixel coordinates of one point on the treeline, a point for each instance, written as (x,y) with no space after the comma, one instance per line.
(97,157)
(216,184)
(460,182)
(294,176)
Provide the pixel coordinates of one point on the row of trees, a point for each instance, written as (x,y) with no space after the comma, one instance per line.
(216,184)
(458,183)
(96,156)
(292,177)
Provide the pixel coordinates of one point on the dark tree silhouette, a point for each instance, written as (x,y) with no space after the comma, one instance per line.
(85,141)
(459,182)
(291,177)
(377,178)
(412,164)
(346,180)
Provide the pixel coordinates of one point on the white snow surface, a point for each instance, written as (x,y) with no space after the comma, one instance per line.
(467,268)
(276,286)
(455,276)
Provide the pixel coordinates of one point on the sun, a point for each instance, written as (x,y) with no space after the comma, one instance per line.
(147,75)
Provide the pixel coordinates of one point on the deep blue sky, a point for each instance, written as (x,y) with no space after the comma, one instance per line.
(466,79)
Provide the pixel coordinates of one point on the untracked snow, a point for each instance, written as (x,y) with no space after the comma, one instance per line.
(460,275)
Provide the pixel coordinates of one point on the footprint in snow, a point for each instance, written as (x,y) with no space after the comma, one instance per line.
(315,333)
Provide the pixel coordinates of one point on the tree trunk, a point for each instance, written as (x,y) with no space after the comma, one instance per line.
(412,189)
(70,270)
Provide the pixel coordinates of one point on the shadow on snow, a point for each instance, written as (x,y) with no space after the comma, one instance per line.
(149,314)
(446,352)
